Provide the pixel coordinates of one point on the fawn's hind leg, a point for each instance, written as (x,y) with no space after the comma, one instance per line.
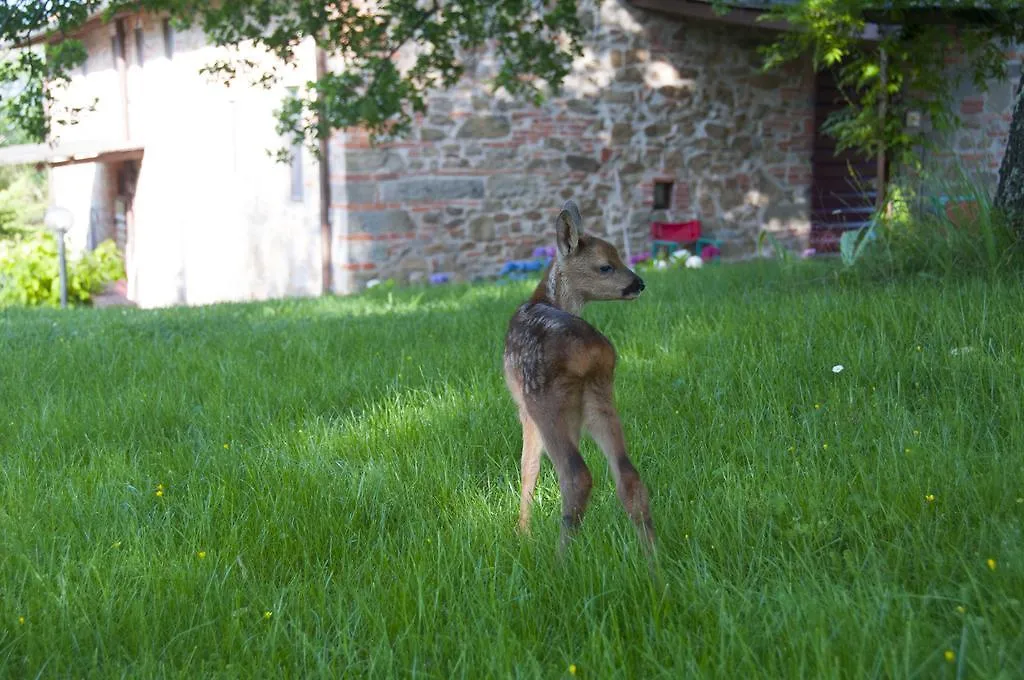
(602,421)
(529,467)
(559,421)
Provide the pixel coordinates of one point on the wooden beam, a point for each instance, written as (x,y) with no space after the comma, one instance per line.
(121,60)
(702,10)
(883,111)
(326,236)
(106,157)
(736,16)
(970,16)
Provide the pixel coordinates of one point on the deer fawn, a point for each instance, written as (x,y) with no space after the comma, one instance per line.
(560,371)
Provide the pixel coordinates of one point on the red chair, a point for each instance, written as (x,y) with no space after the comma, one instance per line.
(673,235)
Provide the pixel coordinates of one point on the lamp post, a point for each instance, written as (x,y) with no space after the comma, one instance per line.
(60,220)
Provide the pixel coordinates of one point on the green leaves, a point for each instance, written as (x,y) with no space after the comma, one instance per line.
(389,58)
(915,48)
(31,76)
(833,56)
(385,59)
(29,273)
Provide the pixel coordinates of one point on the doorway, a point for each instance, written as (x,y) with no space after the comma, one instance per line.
(844,186)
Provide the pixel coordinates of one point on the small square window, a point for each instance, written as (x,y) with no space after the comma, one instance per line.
(662,195)
(168,31)
(140,45)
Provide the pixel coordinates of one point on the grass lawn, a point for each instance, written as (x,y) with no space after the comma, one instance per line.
(329,488)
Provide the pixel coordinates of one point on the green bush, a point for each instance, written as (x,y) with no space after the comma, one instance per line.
(22,200)
(29,271)
(951,229)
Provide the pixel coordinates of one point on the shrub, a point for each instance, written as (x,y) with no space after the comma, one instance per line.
(29,271)
(952,229)
(22,200)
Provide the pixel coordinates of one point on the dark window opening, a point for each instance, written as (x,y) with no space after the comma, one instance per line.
(117,46)
(168,38)
(295,162)
(662,195)
(140,45)
(295,166)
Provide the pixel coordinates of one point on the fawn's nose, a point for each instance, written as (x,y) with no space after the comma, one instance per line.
(635,286)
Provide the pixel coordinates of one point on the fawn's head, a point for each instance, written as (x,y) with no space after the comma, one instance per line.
(589,266)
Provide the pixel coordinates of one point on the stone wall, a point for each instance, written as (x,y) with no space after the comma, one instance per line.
(978,145)
(652,99)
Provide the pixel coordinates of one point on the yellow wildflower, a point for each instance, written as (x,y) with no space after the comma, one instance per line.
(225,446)
(21,620)
(267,615)
(930,497)
(950,656)
(572,669)
(201,554)
(159,493)
(825,445)
(991,563)
(960,609)
(817,406)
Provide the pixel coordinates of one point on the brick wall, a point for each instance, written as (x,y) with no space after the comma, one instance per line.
(653,99)
(977,147)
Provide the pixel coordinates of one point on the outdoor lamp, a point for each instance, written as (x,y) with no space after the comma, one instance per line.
(60,220)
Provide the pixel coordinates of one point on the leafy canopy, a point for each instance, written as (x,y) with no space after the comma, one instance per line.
(534,42)
(923,51)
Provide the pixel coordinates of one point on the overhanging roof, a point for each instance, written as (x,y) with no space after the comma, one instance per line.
(72,152)
(741,12)
(52,32)
(746,13)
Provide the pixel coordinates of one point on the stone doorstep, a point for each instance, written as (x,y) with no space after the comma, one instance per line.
(114,294)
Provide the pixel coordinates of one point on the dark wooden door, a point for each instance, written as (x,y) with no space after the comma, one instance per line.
(843,185)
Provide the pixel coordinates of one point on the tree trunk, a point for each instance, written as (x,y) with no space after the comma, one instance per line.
(1010,192)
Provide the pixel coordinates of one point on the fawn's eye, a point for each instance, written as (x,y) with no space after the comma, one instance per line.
(607,269)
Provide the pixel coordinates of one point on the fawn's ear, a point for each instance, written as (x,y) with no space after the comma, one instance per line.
(567,228)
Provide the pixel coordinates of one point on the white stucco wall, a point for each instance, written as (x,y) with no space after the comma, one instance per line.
(214,217)
(80,188)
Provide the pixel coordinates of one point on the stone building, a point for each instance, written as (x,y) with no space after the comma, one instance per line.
(667,93)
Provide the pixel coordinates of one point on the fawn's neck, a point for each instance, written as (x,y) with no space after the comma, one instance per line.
(554,290)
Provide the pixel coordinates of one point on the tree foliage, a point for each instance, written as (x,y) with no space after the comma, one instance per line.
(374,89)
(31,76)
(921,55)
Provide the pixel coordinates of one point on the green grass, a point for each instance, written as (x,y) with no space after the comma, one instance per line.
(351,467)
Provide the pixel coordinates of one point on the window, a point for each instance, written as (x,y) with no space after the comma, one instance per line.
(662,195)
(295,162)
(117,47)
(295,166)
(168,39)
(140,44)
